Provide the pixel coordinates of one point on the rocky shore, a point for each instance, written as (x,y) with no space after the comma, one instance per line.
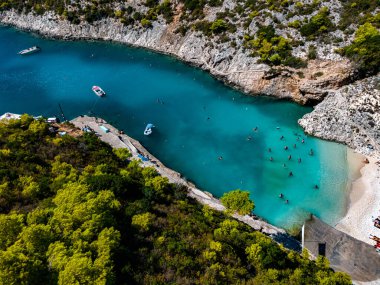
(349,115)
(233,65)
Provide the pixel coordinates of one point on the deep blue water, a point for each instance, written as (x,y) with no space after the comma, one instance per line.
(197,119)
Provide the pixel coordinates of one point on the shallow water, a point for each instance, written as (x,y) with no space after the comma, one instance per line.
(197,120)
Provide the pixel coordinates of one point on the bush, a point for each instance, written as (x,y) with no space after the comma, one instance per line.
(318,24)
(238,201)
(312,53)
(364,50)
(218,26)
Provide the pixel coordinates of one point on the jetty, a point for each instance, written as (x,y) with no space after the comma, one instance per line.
(118,139)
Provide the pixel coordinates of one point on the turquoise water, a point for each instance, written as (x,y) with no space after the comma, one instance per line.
(197,119)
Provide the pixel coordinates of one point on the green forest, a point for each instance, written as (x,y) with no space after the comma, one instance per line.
(75,211)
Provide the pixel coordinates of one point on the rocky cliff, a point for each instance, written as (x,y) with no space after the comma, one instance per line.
(350,115)
(233,65)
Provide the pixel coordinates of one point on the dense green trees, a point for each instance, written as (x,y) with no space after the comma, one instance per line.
(364,50)
(74,211)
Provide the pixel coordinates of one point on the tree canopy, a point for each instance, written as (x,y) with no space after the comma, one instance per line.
(74,211)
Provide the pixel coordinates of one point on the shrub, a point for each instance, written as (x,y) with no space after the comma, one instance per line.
(312,53)
(318,24)
(218,26)
(364,50)
(238,201)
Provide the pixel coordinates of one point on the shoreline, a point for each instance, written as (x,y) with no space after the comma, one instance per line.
(364,198)
(116,139)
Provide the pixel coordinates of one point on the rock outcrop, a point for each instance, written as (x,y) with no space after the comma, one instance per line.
(233,65)
(349,115)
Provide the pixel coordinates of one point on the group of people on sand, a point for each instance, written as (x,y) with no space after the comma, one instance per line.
(377,240)
(376,222)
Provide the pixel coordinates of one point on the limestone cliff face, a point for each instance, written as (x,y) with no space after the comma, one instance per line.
(232,65)
(350,115)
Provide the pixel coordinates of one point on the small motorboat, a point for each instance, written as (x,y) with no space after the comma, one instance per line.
(98,91)
(30,50)
(148,129)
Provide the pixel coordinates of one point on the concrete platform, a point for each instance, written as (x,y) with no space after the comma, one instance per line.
(345,253)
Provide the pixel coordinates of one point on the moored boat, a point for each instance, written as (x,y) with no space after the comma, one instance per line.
(148,129)
(98,91)
(30,50)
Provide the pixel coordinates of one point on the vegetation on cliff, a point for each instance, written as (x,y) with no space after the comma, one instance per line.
(74,211)
(326,25)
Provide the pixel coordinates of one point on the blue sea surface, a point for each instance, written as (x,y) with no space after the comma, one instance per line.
(198,120)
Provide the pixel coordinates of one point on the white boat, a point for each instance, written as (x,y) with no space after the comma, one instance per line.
(98,91)
(29,50)
(148,129)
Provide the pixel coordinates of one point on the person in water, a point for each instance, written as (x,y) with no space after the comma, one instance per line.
(303,141)
(289,157)
(287,201)
(220,157)
(281,195)
(299,160)
(255,129)
(290,174)
(316,186)
(282,137)
(295,146)
(286,147)
(269,150)
(311,152)
(271,158)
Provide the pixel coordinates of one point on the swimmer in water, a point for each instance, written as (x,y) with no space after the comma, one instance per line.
(289,157)
(286,147)
(282,137)
(303,141)
(281,195)
(290,173)
(220,157)
(287,201)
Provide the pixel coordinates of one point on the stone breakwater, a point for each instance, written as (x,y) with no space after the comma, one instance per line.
(233,65)
(349,115)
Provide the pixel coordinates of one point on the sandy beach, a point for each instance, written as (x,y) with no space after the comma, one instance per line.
(364,204)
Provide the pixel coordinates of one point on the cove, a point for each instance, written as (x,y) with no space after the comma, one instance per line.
(198,120)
